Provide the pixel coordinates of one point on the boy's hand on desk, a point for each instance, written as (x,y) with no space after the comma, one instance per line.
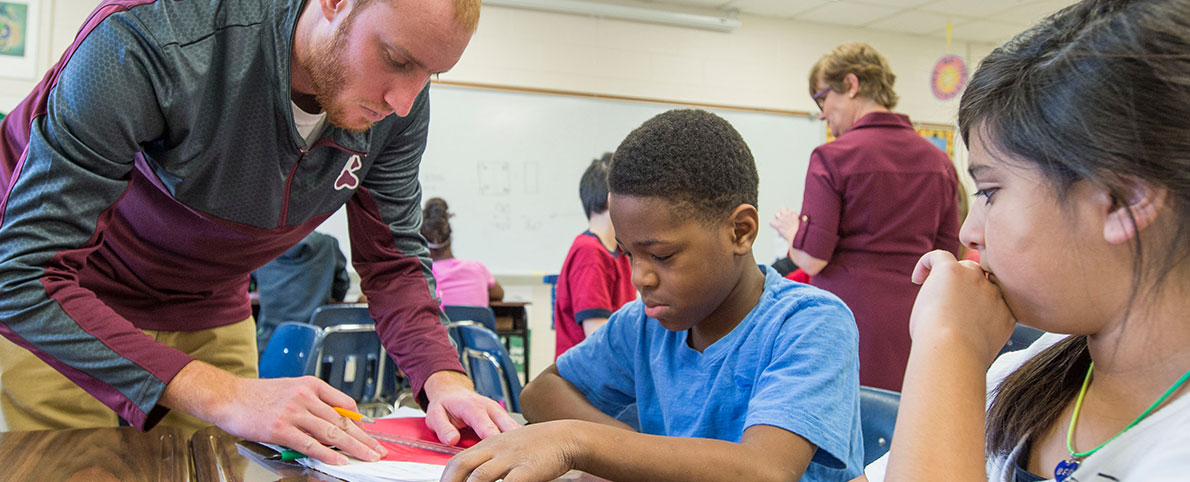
(542,451)
(455,404)
(295,412)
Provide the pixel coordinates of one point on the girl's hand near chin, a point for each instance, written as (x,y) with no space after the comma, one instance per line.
(959,306)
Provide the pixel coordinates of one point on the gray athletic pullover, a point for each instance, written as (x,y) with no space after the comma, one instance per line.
(157,164)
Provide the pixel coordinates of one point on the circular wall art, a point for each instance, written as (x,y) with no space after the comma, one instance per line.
(949,77)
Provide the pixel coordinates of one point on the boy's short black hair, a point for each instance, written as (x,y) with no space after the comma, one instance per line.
(592,188)
(692,158)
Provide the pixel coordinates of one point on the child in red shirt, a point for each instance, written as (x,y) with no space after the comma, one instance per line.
(596,279)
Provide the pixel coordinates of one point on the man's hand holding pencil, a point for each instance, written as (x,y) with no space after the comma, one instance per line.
(299,413)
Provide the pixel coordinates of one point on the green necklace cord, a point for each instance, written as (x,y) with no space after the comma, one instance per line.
(1078,405)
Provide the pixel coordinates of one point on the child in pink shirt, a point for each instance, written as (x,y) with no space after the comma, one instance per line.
(460,281)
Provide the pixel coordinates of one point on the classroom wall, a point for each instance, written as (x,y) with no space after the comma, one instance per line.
(764,64)
(59,21)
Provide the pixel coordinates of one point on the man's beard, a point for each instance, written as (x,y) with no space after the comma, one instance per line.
(326,68)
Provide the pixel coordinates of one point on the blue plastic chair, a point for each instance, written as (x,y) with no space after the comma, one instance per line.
(488,364)
(291,351)
(352,360)
(327,316)
(479,314)
(878,416)
(331,315)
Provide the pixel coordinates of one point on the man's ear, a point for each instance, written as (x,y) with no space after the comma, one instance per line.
(745,223)
(333,8)
(1141,204)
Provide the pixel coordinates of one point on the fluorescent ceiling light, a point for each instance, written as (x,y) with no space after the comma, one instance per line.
(624,12)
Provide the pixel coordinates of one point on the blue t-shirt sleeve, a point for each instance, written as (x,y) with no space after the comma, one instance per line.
(811,385)
(601,367)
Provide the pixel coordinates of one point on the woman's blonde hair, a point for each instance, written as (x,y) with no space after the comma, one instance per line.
(875,76)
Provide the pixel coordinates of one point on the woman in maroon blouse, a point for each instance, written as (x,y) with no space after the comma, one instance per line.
(876,199)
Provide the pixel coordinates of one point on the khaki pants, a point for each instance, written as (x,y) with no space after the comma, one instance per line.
(34,396)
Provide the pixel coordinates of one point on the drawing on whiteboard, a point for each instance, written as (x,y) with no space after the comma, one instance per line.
(532,224)
(495,178)
(501,220)
(531,182)
(431,181)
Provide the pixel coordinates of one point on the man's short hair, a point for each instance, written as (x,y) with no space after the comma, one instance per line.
(466,12)
(592,188)
(691,158)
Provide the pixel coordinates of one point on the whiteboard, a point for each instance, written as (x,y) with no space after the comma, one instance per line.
(508,164)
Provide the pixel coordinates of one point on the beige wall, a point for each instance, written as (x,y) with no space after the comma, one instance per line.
(763,64)
(59,21)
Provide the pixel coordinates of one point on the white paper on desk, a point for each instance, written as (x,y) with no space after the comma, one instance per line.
(384,470)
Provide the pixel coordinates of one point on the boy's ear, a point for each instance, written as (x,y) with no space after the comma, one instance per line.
(1128,216)
(745,223)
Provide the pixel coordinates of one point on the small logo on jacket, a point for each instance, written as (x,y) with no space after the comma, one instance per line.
(347,178)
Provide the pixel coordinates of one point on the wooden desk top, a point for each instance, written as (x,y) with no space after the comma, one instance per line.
(116,454)
(509,304)
(218,458)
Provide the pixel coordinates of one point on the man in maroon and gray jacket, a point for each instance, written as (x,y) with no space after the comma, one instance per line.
(177,146)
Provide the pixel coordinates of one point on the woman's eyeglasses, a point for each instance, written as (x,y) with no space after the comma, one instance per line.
(820,97)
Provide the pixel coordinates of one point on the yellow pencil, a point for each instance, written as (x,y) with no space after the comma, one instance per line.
(352,415)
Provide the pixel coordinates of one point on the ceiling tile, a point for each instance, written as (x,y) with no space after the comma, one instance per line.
(890,3)
(706,4)
(913,21)
(970,8)
(847,13)
(988,31)
(777,8)
(1031,12)
(1007,17)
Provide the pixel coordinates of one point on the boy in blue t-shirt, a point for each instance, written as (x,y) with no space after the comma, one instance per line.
(734,372)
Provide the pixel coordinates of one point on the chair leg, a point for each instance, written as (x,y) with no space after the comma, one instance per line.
(376,409)
(406,399)
(505,387)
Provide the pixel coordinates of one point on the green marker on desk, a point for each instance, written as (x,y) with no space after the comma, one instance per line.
(288,455)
